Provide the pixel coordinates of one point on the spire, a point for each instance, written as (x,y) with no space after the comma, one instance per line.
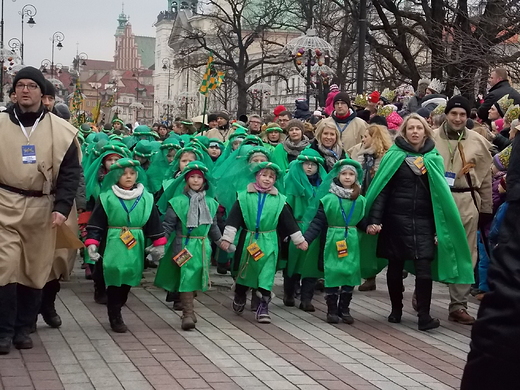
(122,20)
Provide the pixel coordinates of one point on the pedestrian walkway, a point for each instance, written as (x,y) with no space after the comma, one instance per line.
(226,352)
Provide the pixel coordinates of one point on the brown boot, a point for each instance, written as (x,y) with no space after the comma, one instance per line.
(368,285)
(187,310)
(462,317)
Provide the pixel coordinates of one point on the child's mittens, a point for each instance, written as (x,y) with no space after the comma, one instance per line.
(157,253)
(93,252)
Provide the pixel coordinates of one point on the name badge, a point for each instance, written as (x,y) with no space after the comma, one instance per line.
(29,154)
(255,251)
(419,163)
(450,178)
(182,257)
(128,238)
(341,247)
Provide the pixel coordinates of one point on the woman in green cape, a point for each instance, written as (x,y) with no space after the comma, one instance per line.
(410,200)
(305,175)
(123,217)
(273,136)
(292,146)
(191,225)
(340,211)
(262,214)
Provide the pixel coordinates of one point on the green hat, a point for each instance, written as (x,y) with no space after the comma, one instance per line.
(85,129)
(171,143)
(193,165)
(119,121)
(115,137)
(99,147)
(309,154)
(239,133)
(116,147)
(273,129)
(81,139)
(238,126)
(348,162)
(253,140)
(187,123)
(156,146)
(143,148)
(203,140)
(258,149)
(123,163)
(90,138)
(142,130)
(213,141)
(267,165)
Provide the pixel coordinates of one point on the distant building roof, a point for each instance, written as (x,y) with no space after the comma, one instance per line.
(146,49)
(97,65)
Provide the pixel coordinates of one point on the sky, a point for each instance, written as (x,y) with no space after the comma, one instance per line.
(91,23)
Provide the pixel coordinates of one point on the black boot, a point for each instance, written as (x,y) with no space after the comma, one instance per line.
(423,289)
(394,281)
(239,302)
(344,307)
(255,300)
(48,309)
(28,302)
(100,294)
(289,290)
(308,285)
(332,308)
(114,305)
(22,340)
(5,345)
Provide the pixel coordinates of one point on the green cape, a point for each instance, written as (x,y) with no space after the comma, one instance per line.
(452,263)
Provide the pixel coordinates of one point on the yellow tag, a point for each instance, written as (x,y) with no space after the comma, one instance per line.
(341,246)
(419,163)
(182,257)
(255,251)
(128,238)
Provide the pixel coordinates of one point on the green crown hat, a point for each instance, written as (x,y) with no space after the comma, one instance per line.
(196,151)
(503,104)
(353,163)
(252,139)
(361,100)
(241,132)
(123,163)
(388,94)
(85,129)
(116,137)
(258,149)
(171,143)
(267,165)
(216,141)
(385,110)
(119,121)
(193,165)
(439,109)
(116,147)
(512,113)
(81,139)
(143,130)
(274,128)
(187,123)
(144,149)
(309,154)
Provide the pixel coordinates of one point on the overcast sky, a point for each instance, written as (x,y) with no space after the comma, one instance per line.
(91,23)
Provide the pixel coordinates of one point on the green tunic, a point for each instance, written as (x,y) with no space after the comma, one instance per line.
(342,271)
(279,157)
(304,263)
(120,264)
(260,273)
(193,275)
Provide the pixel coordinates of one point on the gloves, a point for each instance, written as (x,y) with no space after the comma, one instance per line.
(93,252)
(484,221)
(157,253)
(226,246)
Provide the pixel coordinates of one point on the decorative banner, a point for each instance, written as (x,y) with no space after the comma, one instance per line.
(212,79)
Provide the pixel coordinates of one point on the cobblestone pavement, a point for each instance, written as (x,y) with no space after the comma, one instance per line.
(297,351)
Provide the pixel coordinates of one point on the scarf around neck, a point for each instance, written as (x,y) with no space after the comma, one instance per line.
(128,194)
(343,193)
(295,149)
(198,214)
(331,155)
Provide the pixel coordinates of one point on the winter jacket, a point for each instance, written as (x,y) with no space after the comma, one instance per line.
(351,128)
(495,93)
(414,103)
(513,173)
(329,103)
(404,208)
(430,102)
(302,110)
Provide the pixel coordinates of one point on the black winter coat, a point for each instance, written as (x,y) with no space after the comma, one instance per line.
(404,208)
(495,93)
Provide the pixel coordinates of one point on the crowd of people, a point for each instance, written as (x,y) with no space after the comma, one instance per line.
(399,180)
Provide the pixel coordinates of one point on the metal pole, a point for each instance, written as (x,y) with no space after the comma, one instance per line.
(308,91)
(169,89)
(52,58)
(187,85)
(21,45)
(360,85)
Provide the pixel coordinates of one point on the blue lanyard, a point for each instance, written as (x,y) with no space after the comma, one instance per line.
(131,208)
(345,218)
(261,203)
(341,130)
(188,236)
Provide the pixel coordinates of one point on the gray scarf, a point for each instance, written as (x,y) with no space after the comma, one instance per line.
(343,193)
(295,149)
(331,155)
(199,211)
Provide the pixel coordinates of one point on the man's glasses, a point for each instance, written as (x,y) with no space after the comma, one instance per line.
(30,87)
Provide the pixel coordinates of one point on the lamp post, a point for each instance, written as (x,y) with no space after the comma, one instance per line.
(30,11)
(167,64)
(79,61)
(58,36)
(15,44)
(44,65)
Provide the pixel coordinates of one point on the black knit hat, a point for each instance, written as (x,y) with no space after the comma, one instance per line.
(342,96)
(49,89)
(458,101)
(212,117)
(32,74)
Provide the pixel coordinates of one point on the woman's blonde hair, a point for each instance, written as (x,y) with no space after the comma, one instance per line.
(381,140)
(327,124)
(427,128)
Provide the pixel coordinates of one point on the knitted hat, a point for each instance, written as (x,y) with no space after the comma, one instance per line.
(374,97)
(192,172)
(296,123)
(212,117)
(123,163)
(503,104)
(62,111)
(499,124)
(394,120)
(32,74)
(49,89)
(424,112)
(278,109)
(458,102)
(309,154)
(334,87)
(342,96)
(352,165)
(223,114)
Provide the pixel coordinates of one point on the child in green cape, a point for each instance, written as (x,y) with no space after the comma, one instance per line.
(263,215)
(215,149)
(340,210)
(305,175)
(124,215)
(160,162)
(191,225)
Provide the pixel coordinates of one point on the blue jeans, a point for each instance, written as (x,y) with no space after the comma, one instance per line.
(334,290)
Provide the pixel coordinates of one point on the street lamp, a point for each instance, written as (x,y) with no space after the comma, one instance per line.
(30,11)
(58,36)
(15,44)
(44,65)
(79,61)
(168,64)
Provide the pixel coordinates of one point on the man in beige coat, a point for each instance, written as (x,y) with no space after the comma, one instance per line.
(39,176)
(467,162)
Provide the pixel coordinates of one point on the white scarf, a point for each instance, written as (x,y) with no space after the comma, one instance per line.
(128,194)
